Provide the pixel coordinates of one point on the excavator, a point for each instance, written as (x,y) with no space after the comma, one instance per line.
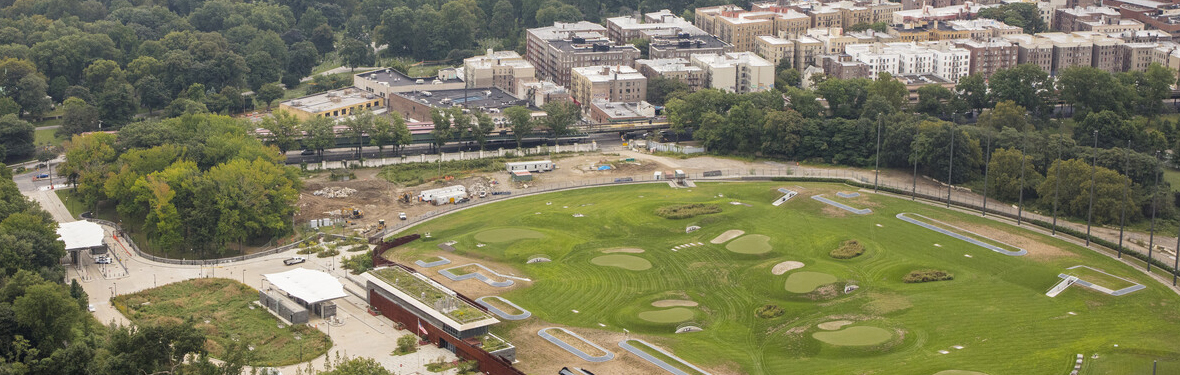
(352,213)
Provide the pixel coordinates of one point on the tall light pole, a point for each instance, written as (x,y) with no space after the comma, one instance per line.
(1020,204)
(986,167)
(1093,171)
(1057,181)
(914,192)
(877,170)
(950,171)
(1154,197)
(1126,197)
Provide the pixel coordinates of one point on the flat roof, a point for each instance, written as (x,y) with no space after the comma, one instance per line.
(310,286)
(80,234)
(669,65)
(392,77)
(424,294)
(589,46)
(689,42)
(489,97)
(607,73)
(328,100)
(563,30)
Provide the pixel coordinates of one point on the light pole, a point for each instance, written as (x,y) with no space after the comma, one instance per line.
(986,167)
(1126,197)
(877,170)
(1057,181)
(914,192)
(1020,204)
(950,171)
(1093,171)
(1154,195)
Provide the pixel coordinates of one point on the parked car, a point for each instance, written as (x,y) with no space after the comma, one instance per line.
(43,175)
(91,308)
(294,261)
(401,215)
(103,260)
(307,152)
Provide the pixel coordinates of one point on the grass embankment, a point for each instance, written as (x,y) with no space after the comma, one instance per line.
(1030,334)
(221,308)
(1099,278)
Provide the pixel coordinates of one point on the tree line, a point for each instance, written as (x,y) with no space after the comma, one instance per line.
(999,127)
(196,184)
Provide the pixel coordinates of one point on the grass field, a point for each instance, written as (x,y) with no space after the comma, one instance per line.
(221,308)
(995,308)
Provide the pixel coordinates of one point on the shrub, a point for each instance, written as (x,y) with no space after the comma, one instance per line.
(922,276)
(769,312)
(328,253)
(357,264)
(406,344)
(685,211)
(848,250)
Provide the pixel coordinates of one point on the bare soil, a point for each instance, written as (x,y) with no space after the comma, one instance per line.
(1037,250)
(674,303)
(728,235)
(783,267)
(629,250)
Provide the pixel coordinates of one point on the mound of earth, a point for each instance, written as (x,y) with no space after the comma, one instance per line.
(833,325)
(783,267)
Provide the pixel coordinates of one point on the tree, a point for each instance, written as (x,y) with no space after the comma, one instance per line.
(643,45)
(16,138)
(1026,85)
(263,69)
(392,30)
(787,76)
(1094,90)
(358,125)
(31,95)
(931,148)
(1004,173)
(49,313)
(805,102)
(1023,15)
(932,100)
(9,107)
(356,366)
(847,96)
(892,90)
(1074,184)
(520,121)
(973,90)
(1152,86)
(29,241)
(269,92)
(303,58)
(659,88)
(560,116)
(284,130)
(781,131)
(78,117)
(116,105)
(382,134)
(152,92)
(324,39)
(503,21)
(483,127)
(442,127)
(1006,114)
(356,53)
(1112,130)
(558,12)
(318,134)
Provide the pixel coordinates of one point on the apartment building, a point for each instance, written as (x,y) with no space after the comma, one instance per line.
(674,68)
(833,39)
(1093,18)
(939,58)
(499,69)
(682,43)
(978,29)
(610,83)
(739,72)
(989,56)
(1107,53)
(1069,50)
(844,67)
(1137,56)
(807,52)
(1143,36)
(624,29)
(556,49)
(741,28)
(775,49)
(1031,49)
(1154,14)
(963,11)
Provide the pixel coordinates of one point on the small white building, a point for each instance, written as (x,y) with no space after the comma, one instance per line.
(444,195)
(530,166)
(739,72)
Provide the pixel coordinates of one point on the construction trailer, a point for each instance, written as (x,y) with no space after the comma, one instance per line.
(531,166)
(449,194)
(522,176)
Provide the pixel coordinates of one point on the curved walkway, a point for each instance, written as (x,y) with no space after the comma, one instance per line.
(656,361)
(556,341)
(441,262)
(479,276)
(525,314)
(962,237)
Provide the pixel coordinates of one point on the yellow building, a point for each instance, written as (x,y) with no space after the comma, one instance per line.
(335,103)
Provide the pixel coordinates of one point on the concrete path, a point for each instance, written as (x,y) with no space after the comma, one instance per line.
(656,361)
(858,211)
(442,261)
(480,276)
(525,314)
(583,355)
(976,242)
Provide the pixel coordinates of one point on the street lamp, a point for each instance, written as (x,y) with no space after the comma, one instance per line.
(1020,205)
(986,169)
(1154,194)
(1126,197)
(877,169)
(950,171)
(1093,172)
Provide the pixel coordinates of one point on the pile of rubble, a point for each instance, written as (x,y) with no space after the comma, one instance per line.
(334,192)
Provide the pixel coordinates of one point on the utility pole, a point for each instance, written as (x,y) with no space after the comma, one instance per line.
(1020,204)
(1126,197)
(1057,181)
(877,170)
(950,171)
(1154,198)
(914,192)
(1093,171)
(986,166)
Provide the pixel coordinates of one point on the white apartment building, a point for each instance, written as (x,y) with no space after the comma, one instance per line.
(739,72)
(939,58)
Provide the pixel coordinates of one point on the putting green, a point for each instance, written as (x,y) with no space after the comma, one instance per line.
(673,315)
(750,244)
(507,235)
(627,262)
(959,372)
(854,336)
(805,282)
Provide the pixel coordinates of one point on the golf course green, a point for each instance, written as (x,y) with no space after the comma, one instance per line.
(854,336)
(996,308)
(673,315)
(806,282)
(750,244)
(627,262)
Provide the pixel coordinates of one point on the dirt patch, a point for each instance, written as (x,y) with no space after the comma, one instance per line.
(783,267)
(628,250)
(830,211)
(674,303)
(1037,250)
(578,343)
(832,326)
(539,356)
(728,235)
(471,288)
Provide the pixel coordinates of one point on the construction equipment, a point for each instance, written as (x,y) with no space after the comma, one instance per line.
(404,198)
(381,224)
(352,213)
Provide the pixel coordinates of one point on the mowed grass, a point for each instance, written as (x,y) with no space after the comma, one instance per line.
(225,305)
(995,307)
(1112,282)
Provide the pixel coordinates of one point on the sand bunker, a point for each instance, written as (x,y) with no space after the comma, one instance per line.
(783,267)
(629,250)
(834,325)
(728,235)
(674,303)
(855,336)
(673,315)
(750,244)
(627,262)
(959,372)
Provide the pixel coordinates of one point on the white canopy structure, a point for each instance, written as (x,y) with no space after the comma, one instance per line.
(80,235)
(311,286)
